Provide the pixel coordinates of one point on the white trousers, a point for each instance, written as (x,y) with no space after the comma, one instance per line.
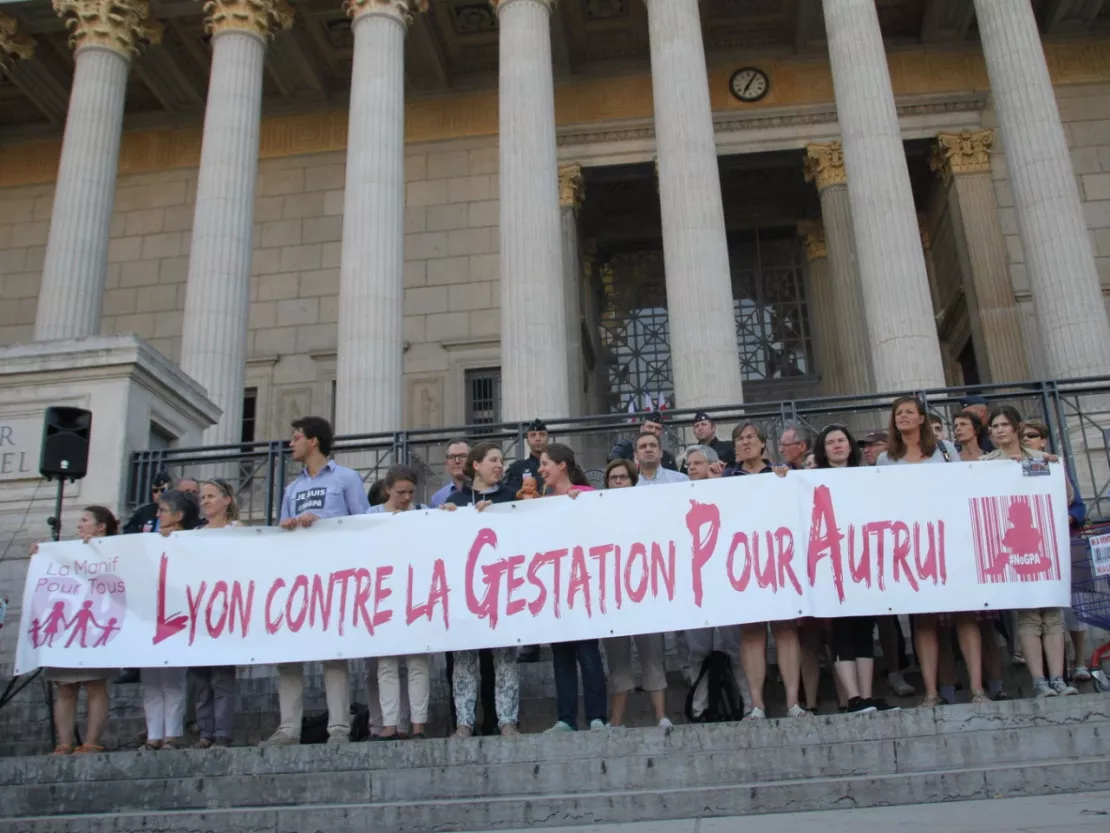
(337,687)
(164,702)
(389,688)
(699,644)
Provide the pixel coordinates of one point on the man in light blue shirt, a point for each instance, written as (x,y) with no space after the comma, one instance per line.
(649,457)
(457,452)
(323,489)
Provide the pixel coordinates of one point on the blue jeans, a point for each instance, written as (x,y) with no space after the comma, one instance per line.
(566,658)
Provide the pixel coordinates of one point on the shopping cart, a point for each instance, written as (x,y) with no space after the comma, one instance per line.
(1090,584)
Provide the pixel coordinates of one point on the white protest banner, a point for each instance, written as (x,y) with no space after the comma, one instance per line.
(904,539)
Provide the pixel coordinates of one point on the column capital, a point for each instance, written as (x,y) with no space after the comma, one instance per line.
(498,5)
(825,165)
(923,230)
(402,10)
(572,190)
(968,152)
(14,44)
(813,237)
(123,26)
(262,18)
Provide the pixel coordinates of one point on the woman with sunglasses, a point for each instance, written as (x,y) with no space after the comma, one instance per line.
(214,686)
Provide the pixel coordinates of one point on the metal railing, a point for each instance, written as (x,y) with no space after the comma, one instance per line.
(1077,411)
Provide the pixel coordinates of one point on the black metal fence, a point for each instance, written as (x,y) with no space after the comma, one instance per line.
(1077,411)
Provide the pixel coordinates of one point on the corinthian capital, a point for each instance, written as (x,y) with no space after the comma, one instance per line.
(825,165)
(968,152)
(14,44)
(813,237)
(124,26)
(256,17)
(498,5)
(571,188)
(402,10)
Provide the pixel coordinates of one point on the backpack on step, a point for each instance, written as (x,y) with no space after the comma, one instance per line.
(723,700)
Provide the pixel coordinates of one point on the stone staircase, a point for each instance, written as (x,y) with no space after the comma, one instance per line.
(1017,748)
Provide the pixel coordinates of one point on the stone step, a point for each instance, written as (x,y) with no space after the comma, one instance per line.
(1045,776)
(538,768)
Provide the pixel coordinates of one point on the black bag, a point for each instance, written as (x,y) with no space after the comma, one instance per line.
(314,728)
(724,702)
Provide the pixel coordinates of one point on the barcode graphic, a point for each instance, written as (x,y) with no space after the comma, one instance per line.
(1015,538)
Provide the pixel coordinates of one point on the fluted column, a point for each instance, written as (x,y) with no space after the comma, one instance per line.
(964,163)
(824,167)
(104,34)
(821,307)
(1059,261)
(704,359)
(369,366)
(533,313)
(903,338)
(217,300)
(571,193)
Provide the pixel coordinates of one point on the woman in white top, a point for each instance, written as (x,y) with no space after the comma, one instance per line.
(400,485)
(214,686)
(911,440)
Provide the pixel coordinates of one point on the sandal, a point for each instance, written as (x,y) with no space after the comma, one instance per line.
(204,743)
(151,746)
(88,749)
(63,749)
(172,743)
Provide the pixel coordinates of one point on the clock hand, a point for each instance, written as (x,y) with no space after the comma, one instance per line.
(748,86)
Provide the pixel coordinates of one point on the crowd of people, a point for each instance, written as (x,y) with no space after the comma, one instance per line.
(478,477)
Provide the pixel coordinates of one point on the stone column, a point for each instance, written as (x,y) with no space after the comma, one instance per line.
(217,300)
(533,313)
(14,44)
(824,167)
(904,347)
(571,193)
(704,359)
(369,379)
(1067,295)
(104,34)
(964,163)
(822,308)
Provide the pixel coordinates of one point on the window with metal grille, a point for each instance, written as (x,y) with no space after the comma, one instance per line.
(483,396)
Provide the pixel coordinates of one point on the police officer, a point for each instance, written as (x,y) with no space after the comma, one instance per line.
(705,431)
(530,465)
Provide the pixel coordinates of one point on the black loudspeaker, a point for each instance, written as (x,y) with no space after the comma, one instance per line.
(65,443)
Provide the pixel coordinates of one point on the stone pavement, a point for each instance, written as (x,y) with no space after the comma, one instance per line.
(1078,812)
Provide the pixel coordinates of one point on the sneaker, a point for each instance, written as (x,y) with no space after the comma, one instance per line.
(560,726)
(596,724)
(898,684)
(756,714)
(1081,675)
(1062,688)
(342,734)
(882,705)
(857,705)
(979,697)
(930,701)
(665,723)
(1043,688)
(464,732)
(798,711)
(280,738)
(1000,697)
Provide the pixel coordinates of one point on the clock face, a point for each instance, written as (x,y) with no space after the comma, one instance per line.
(750,84)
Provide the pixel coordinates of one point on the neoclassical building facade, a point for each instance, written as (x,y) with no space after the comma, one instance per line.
(410,214)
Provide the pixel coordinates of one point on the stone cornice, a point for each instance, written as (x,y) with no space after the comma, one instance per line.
(572,189)
(498,5)
(824,165)
(123,26)
(14,44)
(402,10)
(813,237)
(263,18)
(968,152)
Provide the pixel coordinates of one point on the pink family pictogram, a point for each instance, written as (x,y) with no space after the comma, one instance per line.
(75,613)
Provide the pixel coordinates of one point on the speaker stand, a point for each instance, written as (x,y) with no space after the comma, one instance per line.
(55,522)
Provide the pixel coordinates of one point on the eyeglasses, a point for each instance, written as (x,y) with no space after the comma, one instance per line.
(1032,435)
(457,458)
(619,478)
(157,490)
